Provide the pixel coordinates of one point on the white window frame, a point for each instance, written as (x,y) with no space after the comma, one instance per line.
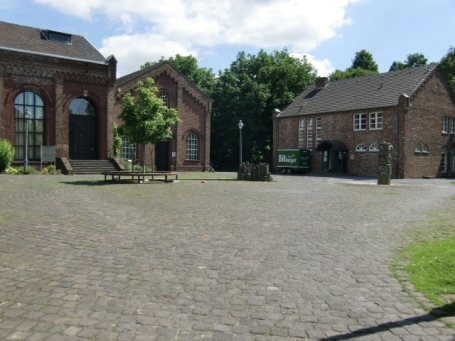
(164,98)
(374,148)
(359,122)
(417,148)
(361,148)
(452,125)
(301,133)
(192,147)
(128,149)
(375,121)
(425,149)
(452,160)
(309,134)
(318,130)
(445,124)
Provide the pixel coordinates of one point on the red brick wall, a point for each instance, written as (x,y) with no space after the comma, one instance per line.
(57,82)
(194,112)
(424,126)
(420,122)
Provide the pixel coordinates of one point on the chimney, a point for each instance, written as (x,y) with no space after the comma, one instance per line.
(321,82)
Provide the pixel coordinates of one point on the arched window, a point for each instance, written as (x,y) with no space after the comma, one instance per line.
(425,149)
(374,147)
(80,106)
(30,103)
(361,147)
(164,98)
(417,148)
(191,147)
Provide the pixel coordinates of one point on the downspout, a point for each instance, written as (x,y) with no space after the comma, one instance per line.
(397,139)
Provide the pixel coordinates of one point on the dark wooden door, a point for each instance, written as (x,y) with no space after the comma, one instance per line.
(83,137)
(162,156)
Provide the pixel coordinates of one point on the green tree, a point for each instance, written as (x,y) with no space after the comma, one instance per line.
(203,78)
(364,60)
(412,60)
(145,117)
(350,73)
(362,65)
(448,66)
(249,90)
(6,154)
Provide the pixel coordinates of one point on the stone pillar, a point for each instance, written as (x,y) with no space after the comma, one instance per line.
(61,122)
(384,164)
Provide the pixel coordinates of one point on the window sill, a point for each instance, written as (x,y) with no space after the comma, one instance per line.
(192,160)
(360,130)
(374,129)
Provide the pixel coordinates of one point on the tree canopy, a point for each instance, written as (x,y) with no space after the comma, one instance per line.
(146,119)
(448,66)
(364,60)
(413,60)
(203,78)
(249,90)
(362,65)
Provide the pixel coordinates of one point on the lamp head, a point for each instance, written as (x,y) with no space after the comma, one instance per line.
(27,114)
(240,125)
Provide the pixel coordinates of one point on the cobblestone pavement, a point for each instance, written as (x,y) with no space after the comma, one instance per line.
(301,258)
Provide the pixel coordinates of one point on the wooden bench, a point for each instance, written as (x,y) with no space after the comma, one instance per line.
(140,175)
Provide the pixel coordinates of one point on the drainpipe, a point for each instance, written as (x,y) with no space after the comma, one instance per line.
(397,140)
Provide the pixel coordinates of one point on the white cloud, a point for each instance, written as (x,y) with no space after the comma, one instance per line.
(324,67)
(134,50)
(301,25)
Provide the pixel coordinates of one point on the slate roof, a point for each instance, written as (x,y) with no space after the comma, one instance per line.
(25,39)
(359,93)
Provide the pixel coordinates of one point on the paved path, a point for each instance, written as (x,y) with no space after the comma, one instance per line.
(302,258)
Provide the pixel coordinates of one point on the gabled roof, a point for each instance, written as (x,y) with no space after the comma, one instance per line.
(31,40)
(156,68)
(377,91)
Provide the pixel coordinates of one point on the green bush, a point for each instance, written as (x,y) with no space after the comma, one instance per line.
(11,170)
(51,169)
(30,170)
(6,154)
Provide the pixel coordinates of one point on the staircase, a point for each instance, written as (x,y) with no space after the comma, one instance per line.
(82,167)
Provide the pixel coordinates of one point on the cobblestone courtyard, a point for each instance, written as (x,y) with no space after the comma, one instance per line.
(301,258)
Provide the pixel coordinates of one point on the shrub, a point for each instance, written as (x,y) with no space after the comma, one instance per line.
(6,154)
(11,170)
(30,170)
(51,169)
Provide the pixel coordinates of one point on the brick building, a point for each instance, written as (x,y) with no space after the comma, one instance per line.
(65,86)
(343,122)
(189,148)
(71,95)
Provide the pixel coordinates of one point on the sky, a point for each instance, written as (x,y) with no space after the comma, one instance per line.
(327,32)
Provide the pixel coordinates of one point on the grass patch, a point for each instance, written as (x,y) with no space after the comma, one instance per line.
(428,261)
(431,270)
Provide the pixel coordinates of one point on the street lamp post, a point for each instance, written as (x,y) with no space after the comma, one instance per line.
(240,125)
(27,118)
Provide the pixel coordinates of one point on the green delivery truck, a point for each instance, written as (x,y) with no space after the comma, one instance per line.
(292,160)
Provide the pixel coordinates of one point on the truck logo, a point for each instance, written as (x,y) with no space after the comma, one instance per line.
(283,158)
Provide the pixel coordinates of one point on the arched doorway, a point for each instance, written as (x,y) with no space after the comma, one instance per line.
(83,129)
(333,156)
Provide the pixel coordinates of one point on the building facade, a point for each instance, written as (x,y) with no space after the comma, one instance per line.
(63,84)
(189,147)
(68,95)
(343,123)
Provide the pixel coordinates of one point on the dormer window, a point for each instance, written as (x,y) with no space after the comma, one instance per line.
(57,37)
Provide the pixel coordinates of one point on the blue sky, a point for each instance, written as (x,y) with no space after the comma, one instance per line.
(328,32)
